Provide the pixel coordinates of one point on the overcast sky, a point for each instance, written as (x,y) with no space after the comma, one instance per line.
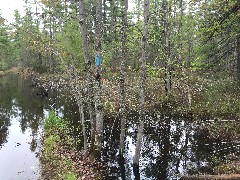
(7,8)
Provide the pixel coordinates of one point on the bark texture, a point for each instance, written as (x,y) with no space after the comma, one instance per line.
(122,112)
(238,56)
(98,103)
(142,84)
(166,48)
(87,63)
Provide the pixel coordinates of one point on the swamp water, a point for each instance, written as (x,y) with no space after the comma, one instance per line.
(22,112)
(172,146)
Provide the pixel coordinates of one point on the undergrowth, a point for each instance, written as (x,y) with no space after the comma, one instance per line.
(60,158)
(56,165)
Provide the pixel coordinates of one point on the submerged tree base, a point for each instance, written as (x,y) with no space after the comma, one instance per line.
(136,171)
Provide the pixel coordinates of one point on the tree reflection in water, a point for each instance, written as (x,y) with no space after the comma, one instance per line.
(172,146)
(19,100)
(4,124)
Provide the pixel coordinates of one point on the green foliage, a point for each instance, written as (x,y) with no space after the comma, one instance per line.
(54,124)
(68,42)
(55,139)
(218,97)
(5,46)
(197,64)
(50,144)
(70,176)
(218,28)
(154,71)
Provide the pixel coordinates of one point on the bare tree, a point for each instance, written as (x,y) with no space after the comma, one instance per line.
(122,110)
(88,69)
(98,103)
(142,84)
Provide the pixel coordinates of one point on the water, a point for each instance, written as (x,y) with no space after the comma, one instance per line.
(20,128)
(21,115)
(172,146)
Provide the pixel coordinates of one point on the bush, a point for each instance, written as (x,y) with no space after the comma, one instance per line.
(54,124)
(55,158)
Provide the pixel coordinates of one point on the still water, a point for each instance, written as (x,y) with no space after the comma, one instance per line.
(172,146)
(20,130)
(21,115)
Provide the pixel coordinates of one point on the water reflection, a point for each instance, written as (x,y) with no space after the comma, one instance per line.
(4,124)
(19,129)
(16,157)
(172,146)
(21,115)
(16,101)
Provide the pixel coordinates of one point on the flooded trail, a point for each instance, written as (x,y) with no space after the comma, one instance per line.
(20,130)
(22,112)
(172,146)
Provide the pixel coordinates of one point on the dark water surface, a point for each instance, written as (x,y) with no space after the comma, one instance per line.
(20,130)
(22,111)
(172,146)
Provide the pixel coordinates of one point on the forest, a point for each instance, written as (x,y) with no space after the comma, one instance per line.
(164,72)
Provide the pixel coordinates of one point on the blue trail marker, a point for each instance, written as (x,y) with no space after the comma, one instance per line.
(98,60)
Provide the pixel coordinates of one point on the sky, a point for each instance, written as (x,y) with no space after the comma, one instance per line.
(7,8)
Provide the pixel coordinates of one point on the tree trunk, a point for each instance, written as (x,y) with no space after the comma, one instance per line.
(88,70)
(83,127)
(113,35)
(166,49)
(122,111)
(238,56)
(52,60)
(105,21)
(142,85)
(98,103)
